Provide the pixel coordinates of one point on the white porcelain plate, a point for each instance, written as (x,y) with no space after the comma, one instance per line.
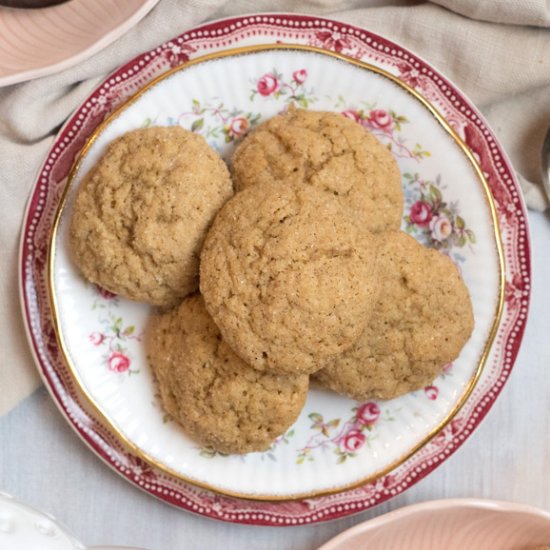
(25,528)
(460,197)
(334,444)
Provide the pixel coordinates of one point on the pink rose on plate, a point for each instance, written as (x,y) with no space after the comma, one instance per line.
(299,76)
(267,84)
(353,441)
(441,228)
(431,392)
(118,362)
(238,126)
(351,114)
(96,338)
(448,368)
(108,295)
(381,119)
(421,213)
(368,413)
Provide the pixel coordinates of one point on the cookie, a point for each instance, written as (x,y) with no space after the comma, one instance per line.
(287,276)
(330,152)
(210,391)
(421,321)
(142,212)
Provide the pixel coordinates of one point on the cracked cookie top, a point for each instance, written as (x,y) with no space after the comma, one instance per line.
(210,391)
(420,322)
(288,277)
(329,152)
(142,212)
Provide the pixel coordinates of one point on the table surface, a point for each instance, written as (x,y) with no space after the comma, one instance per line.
(46,465)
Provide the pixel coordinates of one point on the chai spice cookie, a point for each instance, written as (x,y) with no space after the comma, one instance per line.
(142,212)
(288,277)
(330,152)
(421,320)
(210,391)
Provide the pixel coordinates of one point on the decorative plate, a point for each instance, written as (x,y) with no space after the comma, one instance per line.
(38,42)
(26,528)
(451,524)
(341,456)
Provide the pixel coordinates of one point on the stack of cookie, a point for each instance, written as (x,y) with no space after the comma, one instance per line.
(303,272)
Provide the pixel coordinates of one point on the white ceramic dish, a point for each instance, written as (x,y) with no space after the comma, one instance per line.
(452,524)
(344,444)
(24,528)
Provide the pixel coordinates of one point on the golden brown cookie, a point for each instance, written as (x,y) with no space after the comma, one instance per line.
(287,277)
(327,151)
(142,212)
(421,321)
(211,392)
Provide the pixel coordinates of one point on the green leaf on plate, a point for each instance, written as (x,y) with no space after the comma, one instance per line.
(197,125)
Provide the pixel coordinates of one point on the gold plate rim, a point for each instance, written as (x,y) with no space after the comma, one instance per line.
(102,416)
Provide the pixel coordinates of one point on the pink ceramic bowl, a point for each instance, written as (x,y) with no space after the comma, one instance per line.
(458,524)
(38,42)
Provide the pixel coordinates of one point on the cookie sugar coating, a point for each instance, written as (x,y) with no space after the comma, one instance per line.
(421,321)
(287,277)
(142,212)
(330,152)
(211,392)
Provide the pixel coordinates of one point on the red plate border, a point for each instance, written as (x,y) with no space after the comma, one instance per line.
(333,36)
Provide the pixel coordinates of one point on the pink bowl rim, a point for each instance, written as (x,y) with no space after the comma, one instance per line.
(73,59)
(430,506)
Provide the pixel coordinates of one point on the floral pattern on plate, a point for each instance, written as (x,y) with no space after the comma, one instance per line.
(214,120)
(386,125)
(346,438)
(434,221)
(291,90)
(113,335)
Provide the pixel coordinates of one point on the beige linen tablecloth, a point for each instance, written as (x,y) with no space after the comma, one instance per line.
(497,51)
